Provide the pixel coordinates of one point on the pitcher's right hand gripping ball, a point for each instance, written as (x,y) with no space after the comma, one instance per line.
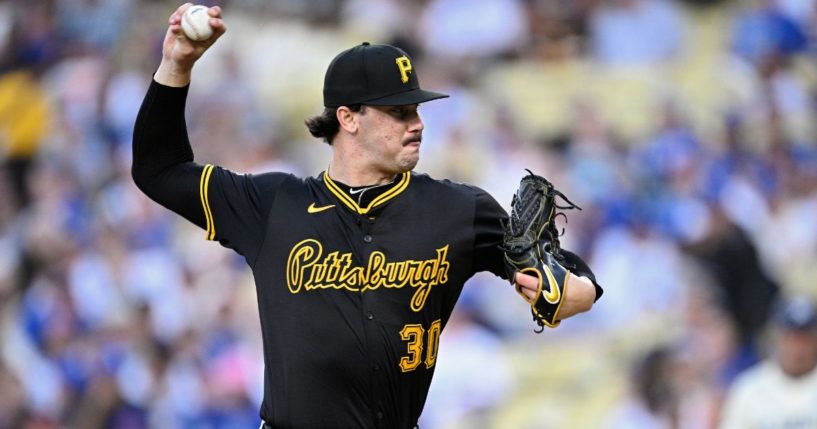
(181,50)
(531,246)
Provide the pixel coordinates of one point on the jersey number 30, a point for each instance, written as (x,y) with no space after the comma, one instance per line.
(414,336)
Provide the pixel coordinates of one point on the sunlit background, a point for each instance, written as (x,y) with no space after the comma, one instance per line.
(684,129)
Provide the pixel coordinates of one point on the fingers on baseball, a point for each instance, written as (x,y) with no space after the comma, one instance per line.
(215,21)
(218,26)
(176,16)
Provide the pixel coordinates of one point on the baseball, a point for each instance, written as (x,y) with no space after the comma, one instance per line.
(196,23)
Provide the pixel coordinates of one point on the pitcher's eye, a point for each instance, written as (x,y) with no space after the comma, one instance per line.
(400,112)
(404,112)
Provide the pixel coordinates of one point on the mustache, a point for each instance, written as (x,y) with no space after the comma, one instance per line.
(413,139)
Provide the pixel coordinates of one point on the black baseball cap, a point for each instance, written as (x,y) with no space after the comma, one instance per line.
(378,75)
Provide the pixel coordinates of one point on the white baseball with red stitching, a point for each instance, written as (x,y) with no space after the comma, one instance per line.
(196,23)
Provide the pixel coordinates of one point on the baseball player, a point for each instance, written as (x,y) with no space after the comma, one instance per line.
(358,268)
(786,381)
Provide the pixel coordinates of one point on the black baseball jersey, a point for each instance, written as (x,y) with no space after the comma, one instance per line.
(352,298)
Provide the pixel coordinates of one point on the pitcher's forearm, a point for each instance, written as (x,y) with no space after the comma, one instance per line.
(162,156)
(171,74)
(160,132)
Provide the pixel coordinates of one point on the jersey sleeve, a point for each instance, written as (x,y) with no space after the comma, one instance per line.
(236,207)
(232,208)
(488,233)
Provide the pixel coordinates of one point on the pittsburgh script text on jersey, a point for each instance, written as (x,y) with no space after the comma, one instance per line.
(306,270)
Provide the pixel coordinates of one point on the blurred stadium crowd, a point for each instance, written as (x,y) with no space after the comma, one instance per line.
(684,129)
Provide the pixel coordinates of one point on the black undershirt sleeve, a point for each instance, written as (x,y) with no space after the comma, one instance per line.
(163,165)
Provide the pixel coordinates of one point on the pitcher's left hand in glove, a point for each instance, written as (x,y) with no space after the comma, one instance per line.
(531,246)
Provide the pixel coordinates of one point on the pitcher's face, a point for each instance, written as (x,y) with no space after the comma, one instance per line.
(391,136)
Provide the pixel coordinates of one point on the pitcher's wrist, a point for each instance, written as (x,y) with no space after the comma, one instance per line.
(172,74)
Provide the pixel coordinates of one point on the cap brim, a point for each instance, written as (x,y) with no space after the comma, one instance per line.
(415,96)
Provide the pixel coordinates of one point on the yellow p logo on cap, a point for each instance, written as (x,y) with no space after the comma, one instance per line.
(404,64)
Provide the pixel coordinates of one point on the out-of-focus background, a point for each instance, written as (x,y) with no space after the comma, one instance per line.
(684,129)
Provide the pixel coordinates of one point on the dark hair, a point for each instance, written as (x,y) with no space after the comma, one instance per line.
(653,380)
(325,126)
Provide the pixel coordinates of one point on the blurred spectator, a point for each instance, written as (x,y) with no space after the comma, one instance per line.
(729,255)
(384,19)
(453,29)
(678,385)
(781,391)
(559,28)
(710,352)
(25,106)
(636,32)
(12,405)
(618,255)
(763,34)
(591,154)
(25,113)
(654,398)
(92,25)
(803,13)
(673,149)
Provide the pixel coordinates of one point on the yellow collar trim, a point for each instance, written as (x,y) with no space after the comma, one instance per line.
(399,187)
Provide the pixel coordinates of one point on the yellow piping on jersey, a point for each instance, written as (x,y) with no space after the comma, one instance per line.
(204,185)
(349,202)
(345,199)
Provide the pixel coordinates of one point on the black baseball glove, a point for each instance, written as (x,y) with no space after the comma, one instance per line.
(531,245)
